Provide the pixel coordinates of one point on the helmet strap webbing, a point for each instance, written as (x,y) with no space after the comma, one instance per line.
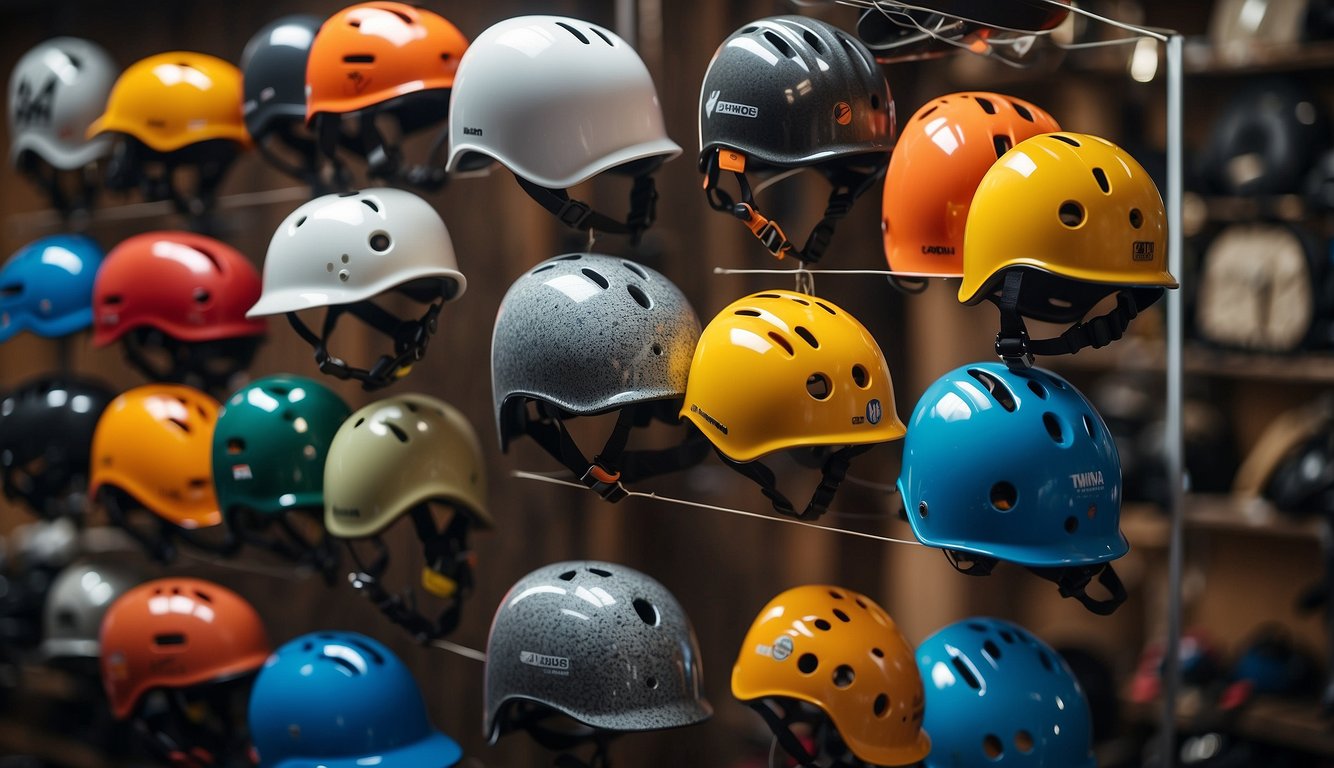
(157,544)
(531,718)
(834,469)
(848,182)
(310,170)
(780,717)
(1014,346)
(580,216)
(55,182)
(183,740)
(246,527)
(411,338)
(192,363)
(51,493)
(1072,580)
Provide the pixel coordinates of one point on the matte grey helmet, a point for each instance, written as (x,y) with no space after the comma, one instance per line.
(584,334)
(80,595)
(602,643)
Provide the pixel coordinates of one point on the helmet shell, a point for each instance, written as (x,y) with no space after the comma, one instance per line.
(47,286)
(792,91)
(271,442)
(354,246)
(589,333)
(154,443)
(342,700)
(79,597)
(1015,465)
(838,650)
(273,73)
(177,633)
(997,695)
(556,100)
(191,287)
(51,420)
(942,154)
(599,642)
(56,90)
(781,342)
(172,100)
(396,453)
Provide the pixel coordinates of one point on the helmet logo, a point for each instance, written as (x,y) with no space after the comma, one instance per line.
(939,250)
(471,131)
(551,665)
(358,81)
(728,107)
(718,424)
(874,411)
(34,108)
(1087,481)
(842,113)
(242,472)
(1143,250)
(782,648)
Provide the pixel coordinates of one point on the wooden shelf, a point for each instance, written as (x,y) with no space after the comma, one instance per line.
(1149,355)
(1146,525)
(1207,62)
(1294,723)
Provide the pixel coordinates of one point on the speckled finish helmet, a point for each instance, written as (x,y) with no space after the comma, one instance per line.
(599,642)
(792,92)
(996,695)
(79,597)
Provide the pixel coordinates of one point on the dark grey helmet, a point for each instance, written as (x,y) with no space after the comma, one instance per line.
(273,68)
(599,642)
(78,599)
(588,334)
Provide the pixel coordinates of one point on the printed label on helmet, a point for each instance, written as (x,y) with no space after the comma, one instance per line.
(1143,250)
(242,472)
(938,250)
(728,107)
(33,107)
(1090,482)
(552,665)
(717,424)
(780,650)
(873,411)
(357,82)
(842,113)
(469,131)
(346,512)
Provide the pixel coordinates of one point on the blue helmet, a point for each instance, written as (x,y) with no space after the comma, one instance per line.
(997,696)
(342,700)
(47,286)
(1012,465)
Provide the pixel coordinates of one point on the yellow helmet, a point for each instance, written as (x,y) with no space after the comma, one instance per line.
(836,649)
(1070,205)
(813,376)
(175,99)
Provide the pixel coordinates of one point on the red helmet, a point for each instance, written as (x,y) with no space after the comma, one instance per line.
(191,287)
(177,633)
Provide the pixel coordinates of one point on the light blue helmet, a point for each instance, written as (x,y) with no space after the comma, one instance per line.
(997,696)
(1012,465)
(342,700)
(47,287)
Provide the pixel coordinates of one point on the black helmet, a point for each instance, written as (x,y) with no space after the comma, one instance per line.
(791,92)
(1266,139)
(46,434)
(273,71)
(897,33)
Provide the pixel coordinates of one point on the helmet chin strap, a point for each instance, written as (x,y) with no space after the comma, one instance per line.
(532,718)
(411,338)
(127,168)
(158,545)
(74,209)
(249,527)
(207,365)
(832,472)
(1072,581)
(580,216)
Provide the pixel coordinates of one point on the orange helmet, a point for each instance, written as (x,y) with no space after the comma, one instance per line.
(370,53)
(838,650)
(155,443)
(175,99)
(942,154)
(177,633)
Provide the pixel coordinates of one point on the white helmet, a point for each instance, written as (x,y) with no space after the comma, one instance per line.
(55,92)
(558,101)
(342,250)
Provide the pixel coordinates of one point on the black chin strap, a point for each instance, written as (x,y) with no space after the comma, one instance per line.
(248,527)
(581,216)
(834,469)
(1017,350)
(53,492)
(198,733)
(448,576)
(1072,580)
(603,474)
(384,158)
(207,365)
(411,338)
(157,544)
(310,169)
(848,183)
(127,169)
(780,720)
(55,181)
(532,718)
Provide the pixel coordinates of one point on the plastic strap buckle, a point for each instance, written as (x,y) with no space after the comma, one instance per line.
(1014,350)
(574,214)
(604,483)
(765,230)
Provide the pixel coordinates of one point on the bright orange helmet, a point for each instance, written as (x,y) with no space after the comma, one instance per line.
(942,154)
(836,649)
(369,53)
(175,99)
(155,443)
(177,633)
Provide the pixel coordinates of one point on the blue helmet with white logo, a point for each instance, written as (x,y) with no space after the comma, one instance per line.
(342,700)
(46,287)
(1012,465)
(997,696)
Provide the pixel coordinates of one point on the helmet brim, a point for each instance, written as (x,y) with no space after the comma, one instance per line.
(58,155)
(435,751)
(111,124)
(297,299)
(562,178)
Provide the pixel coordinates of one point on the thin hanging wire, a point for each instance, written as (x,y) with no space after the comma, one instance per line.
(893,10)
(460,650)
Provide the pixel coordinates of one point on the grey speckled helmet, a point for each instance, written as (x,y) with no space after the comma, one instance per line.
(599,642)
(80,595)
(588,334)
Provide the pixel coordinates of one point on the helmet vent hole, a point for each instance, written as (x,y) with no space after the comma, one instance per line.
(991,747)
(1007,637)
(113,300)
(380,242)
(198,482)
(808,663)
(1045,661)
(1053,426)
(542,268)
(748,29)
(927,113)
(817,386)
(767,296)
(648,612)
(235,445)
(1065,139)
(345,258)
(861,604)
(986,105)
(412,407)
(1071,214)
(641,298)
(976,627)
(608,41)
(876,652)
(1100,176)
(300,221)
(651,682)
(841,616)
(657,350)
(201,296)
(807,336)
(1023,741)
(880,707)
(802,302)
(12,290)
(398,432)
(996,387)
(922,509)
(813,41)
(567,576)
(1003,496)
(169,638)
(577,34)
(860,377)
(370,204)
(1001,144)
(1089,428)
(966,673)
(1037,389)
(781,45)
(747,313)
(1136,218)
(1022,110)
(822,624)
(359,423)
(596,277)
(1071,524)
(991,650)
(366,649)
(359,58)
(826,308)
(836,595)
(181,424)
(67,619)
(570,257)
(782,342)
(875,101)
(843,676)
(633,267)
(600,572)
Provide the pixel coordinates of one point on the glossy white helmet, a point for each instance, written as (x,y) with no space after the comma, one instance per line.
(55,92)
